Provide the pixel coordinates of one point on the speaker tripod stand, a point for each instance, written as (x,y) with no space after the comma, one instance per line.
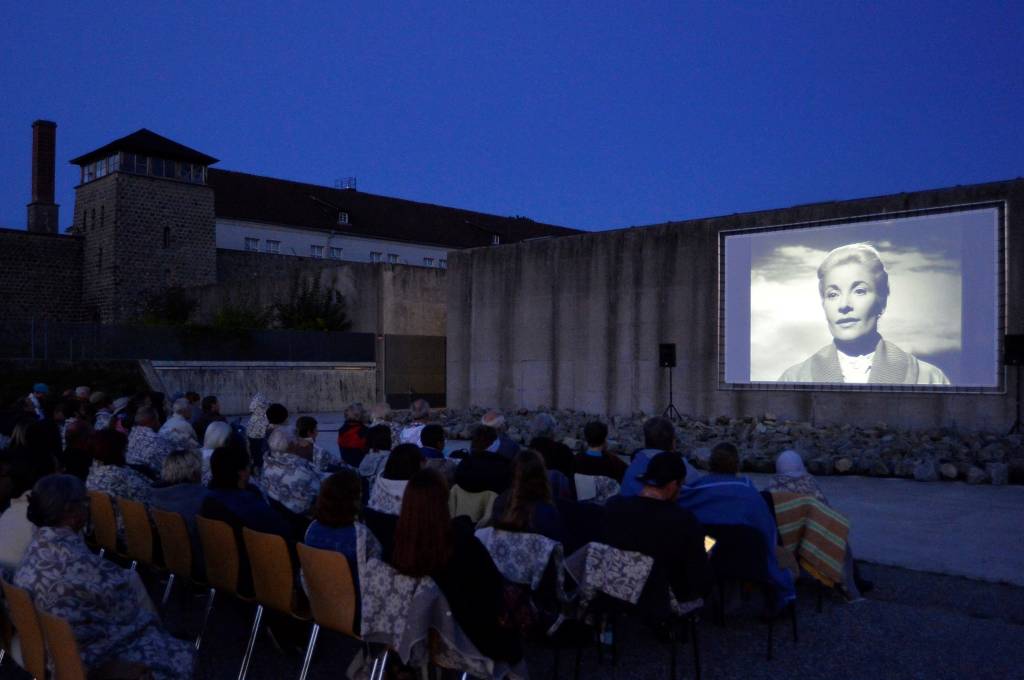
(673,413)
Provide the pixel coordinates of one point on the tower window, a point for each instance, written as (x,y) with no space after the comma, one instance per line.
(252,244)
(316,251)
(343,218)
(442,263)
(392,258)
(375,256)
(428,262)
(273,247)
(334,253)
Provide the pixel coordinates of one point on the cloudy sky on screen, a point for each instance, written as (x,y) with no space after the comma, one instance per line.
(923,315)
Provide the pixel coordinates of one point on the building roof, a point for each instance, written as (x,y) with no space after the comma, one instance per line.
(148,143)
(242,196)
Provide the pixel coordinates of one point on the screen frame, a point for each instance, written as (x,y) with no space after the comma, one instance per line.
(1002,269)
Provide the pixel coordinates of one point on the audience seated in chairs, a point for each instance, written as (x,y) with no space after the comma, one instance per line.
(75,458)
(652,523)
(432,441)
(180,490)
(503,445)
(724,498)
(557,456)
(378,440)
(109,473)
(428,543)
(210,413)
(659,435)
(597,460)
(385,503)
(24,470)
(217,435)
(307,430)
(527,505)
(289,475)
(146,448)
(334,526)
(107,607)
(792,478)
(483,470)
(420,413)
(353,434)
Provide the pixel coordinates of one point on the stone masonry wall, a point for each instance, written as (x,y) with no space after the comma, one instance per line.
(575,323)
(143,235)
(40,276)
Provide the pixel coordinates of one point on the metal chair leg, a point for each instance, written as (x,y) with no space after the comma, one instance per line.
(244,670)
(134,564)
(206,616)
(383,666)
(696,647)
(3,654)
(309,651)
(167,591)
(103,551)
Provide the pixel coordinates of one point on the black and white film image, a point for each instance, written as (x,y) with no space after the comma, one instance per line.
(910,301)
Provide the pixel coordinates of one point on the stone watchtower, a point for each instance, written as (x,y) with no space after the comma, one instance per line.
(146,216)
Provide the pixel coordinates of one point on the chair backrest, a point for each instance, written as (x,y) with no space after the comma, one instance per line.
(175,541)
(138,532)
(475,505)
(104,522)
(739,553)
(30,635)
(273,578)
(332,592)
(220,553)
(63,648)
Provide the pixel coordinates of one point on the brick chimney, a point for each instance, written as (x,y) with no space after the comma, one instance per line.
(42,211)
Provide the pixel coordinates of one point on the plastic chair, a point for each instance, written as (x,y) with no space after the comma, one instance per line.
(273,579)
(30,635)
(177,548)
(138,532)
(332,595)
(220,555)
(104,522)
(62,647)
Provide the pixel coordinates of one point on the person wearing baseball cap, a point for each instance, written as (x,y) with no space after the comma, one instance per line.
(652,523)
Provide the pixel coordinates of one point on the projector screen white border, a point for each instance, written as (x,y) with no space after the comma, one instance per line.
(1001,287)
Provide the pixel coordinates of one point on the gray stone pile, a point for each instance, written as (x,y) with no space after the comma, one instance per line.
(876,451)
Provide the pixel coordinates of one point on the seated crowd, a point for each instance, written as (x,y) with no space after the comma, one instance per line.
(422,504)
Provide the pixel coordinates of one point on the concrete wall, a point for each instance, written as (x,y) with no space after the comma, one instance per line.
(302,387)
(382,298)
(40,276)
(575,322)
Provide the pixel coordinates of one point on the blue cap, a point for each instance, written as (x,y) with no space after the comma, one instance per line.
(41,387)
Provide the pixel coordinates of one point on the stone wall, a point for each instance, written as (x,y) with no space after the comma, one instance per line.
(575,323)
(302,387)
(143,235)
(40,276)
(381,298)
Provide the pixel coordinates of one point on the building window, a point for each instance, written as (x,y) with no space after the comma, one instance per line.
(495,240)
(316,251)
(343,218)
(334,253)
(375,256)
(392,258)
(428,262)
(273,247)
(252,244)
(442,263)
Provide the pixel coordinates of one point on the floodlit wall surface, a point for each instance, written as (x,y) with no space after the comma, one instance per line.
(575,322)
(302,386)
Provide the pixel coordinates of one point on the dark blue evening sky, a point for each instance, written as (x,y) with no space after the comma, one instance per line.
(591,115)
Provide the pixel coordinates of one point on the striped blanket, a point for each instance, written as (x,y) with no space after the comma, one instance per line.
(814,533)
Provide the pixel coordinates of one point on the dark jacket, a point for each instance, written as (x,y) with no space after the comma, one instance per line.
(557,456)
(604,465)
(483,471)
(669,534)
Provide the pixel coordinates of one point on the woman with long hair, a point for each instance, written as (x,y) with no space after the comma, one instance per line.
(527,506)
(428,543)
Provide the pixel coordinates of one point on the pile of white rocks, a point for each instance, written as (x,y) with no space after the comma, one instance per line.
(877,451)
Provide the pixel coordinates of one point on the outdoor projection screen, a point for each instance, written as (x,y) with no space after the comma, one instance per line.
(906,301)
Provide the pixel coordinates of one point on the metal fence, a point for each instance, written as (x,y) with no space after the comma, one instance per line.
(50,340)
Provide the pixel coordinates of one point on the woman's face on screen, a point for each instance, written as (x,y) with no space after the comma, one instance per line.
(850,301)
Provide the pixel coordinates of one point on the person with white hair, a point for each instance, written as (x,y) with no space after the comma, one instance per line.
(145,446)
(180,490)
(216,436)
(420,412)
(503,445)
(178,428)
(83,392)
